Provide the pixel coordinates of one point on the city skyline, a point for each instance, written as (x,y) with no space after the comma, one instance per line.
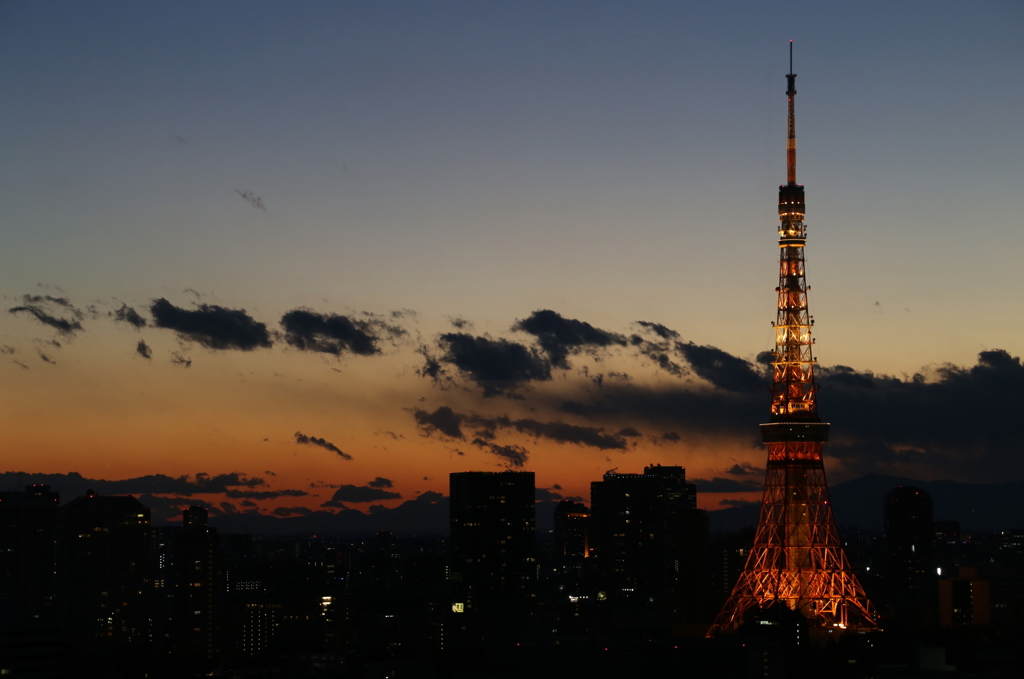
(349,250)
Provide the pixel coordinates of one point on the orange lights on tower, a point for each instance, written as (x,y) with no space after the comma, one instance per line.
(797,558)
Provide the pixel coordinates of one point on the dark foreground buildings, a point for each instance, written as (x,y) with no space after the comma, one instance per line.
(103,574)
(130,600)
(649,540)
(28,522)
(910,536)
(493,542)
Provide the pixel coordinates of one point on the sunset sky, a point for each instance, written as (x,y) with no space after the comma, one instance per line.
(327,244)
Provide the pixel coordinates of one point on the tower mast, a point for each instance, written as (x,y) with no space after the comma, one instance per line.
(797,558)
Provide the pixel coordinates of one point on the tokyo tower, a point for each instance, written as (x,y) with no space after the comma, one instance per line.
(797,558)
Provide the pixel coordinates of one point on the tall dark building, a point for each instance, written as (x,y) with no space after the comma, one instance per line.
(28,535)
(910,537)
(30,640)
(645,531)
(572,529)
(200,586)
(103,572)
(493,540)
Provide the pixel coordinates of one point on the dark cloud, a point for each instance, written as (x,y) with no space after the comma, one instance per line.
(459,323)
(957,419)
(178,359)
(738,503)
(745,469)
(264,494)
(56,312)
(323,443)
(252,199)
(448,422)
(212,326)
(292,511)
(333,334)
(629,432)
(143,350)
(723,485)
(570,433)
(722,369)
(546,495)
(74,484)
(429,496)
(948,421)
(359,494)
(227,507)
(671,436)
(679,406)
(432,368)
(381,482)
(557,487)
(498,366)
(5,349)
(46,359)
(559,336)
(514,455)
(443,420)
(128,315)
(658,352)
(249,503)
(659,330)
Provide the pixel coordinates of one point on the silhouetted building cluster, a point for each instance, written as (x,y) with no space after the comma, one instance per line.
(625,587)
(648,537)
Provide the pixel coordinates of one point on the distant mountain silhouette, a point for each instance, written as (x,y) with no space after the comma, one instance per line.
(419,517)
(977,506)
(415,517)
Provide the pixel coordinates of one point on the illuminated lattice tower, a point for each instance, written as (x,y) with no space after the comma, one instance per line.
(797,558)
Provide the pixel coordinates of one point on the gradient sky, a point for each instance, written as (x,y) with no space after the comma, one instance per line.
(475,162)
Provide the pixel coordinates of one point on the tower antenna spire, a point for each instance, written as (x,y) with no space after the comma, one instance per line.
(791,136)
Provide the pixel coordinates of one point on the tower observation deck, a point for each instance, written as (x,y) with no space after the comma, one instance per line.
(797,559)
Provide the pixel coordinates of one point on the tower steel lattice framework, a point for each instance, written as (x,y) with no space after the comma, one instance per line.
(797,558)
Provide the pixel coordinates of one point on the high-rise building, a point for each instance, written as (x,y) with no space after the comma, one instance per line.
(910,538)
(964,599)
(199,595)
(572,528)
(493,540)
(644,530)
(103,572)
(797,557)
(28,525)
